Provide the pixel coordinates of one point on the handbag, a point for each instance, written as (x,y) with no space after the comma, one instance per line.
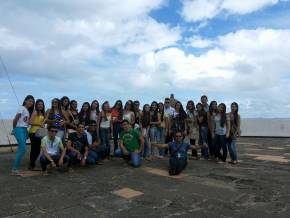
(41,132)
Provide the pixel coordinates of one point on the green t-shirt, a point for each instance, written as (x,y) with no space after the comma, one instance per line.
(131,139)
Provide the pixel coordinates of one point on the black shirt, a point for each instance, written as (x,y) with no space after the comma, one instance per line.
(78,143)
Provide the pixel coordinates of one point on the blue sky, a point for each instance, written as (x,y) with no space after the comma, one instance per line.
(137,49)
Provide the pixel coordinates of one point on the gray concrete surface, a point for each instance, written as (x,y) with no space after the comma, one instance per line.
(253,188)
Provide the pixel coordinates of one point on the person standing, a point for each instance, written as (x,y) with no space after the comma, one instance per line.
(36,122)
(20,125)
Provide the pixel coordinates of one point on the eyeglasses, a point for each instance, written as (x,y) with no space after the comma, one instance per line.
(53,131)
(167,102)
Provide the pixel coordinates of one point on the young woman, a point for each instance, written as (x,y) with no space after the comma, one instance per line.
(65,103)
(36,121)
(162,128)
(137,113)
(192,126)
(210,119)
(85,113)
(73,116)
(95,112)
(106,127)
(20,125)
(154,124)
(235,132)
(55,116)
(117,114)
(145,125)
(203,129)
(178,120)
(222,132)
(129,113)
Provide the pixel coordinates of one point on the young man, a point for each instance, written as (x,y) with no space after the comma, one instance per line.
(131,144)
(204,100)
(97,152)
(178,153)
(53,151)
(77,147)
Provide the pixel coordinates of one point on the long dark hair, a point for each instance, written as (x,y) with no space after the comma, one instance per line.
(42,111)
(86,113)
(161,111)
(211,110)
(145,119)
(236,114)
(71,103)
(154,113)
(58,106)
(193,106)
(182,114)
(62,102)
(132,105)
(97,108)
(103,109)
(30,109)
(223,114)
(120,109)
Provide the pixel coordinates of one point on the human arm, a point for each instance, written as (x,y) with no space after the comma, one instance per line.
(123,148)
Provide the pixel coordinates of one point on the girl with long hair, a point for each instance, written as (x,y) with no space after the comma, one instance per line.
(178,120)
(145,125)
(56,116)
(203,129)
(162,128)
(85,113)
(235,132)
(129,113)
(20,125)
(36,121)
(192,126)
(213,110)
(65,103)
(106,127)
(73,116)
(154,124)
(94,113)
(222,132)
(117,114)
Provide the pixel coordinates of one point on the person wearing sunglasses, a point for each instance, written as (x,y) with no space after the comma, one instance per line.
(178,153)
(53,151)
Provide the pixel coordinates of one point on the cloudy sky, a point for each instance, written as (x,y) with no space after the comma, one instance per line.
(230,50)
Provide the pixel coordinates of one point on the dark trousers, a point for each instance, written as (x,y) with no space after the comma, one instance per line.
(220,143)
(44,161)
(34,149)
(194,152)
(116,132)
(176,166)
(210,143)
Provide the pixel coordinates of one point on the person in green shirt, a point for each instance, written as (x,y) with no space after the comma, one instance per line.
(131,144)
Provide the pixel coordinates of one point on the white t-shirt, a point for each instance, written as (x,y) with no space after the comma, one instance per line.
(170,111)
(52,147)
(24,118)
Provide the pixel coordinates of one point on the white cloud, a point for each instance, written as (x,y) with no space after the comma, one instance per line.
(198,10)
(198,42)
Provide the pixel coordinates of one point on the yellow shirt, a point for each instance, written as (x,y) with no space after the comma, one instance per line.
(36,123)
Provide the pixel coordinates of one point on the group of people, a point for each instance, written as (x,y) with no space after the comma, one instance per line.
(63,135)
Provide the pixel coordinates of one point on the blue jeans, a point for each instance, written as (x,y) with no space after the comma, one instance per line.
(176,166)
(104,134)
(233,149)
(44,161)
(203,132)
(21,136)
(161,133)
(133,156)
(116,132)
(97,153)
(220,143)
(154,134)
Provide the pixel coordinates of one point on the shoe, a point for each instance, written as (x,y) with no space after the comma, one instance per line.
(15,173)
(45,173)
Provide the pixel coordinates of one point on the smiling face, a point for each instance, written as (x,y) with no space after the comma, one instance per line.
(40,106)
(234,108)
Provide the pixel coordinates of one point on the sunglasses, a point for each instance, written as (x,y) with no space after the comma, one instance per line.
(53,131)
(167,102)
